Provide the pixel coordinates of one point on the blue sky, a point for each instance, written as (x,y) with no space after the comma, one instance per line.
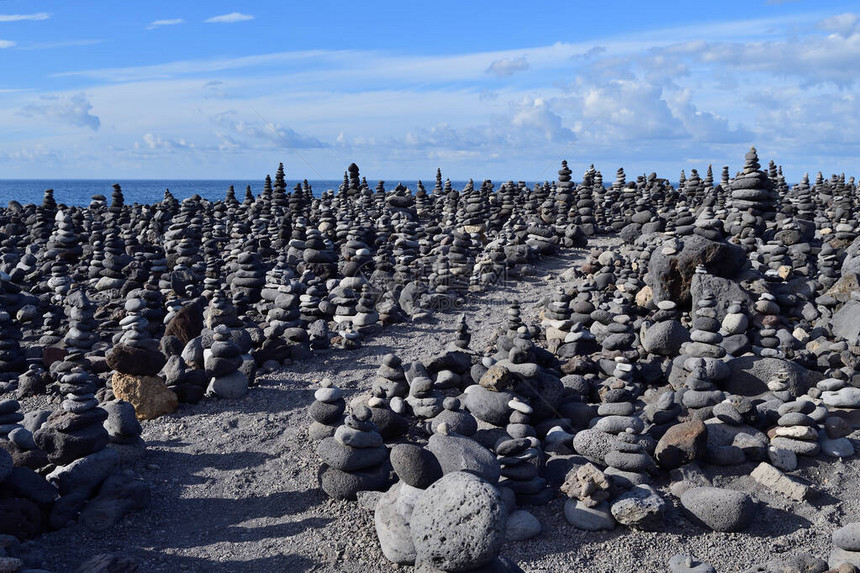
(499,90)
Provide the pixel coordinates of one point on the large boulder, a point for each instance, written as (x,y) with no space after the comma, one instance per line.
(458,524)
(670,276)
(724,290)
(750,375)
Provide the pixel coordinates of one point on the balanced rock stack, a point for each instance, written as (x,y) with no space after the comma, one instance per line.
(75,430)
(136,360)
(355,458)
(222,362)
(326,411)
(753,192)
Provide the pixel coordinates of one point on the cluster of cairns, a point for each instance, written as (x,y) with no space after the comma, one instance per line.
(731,307)
(723,331)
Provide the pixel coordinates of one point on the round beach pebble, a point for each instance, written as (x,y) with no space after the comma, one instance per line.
(848,537)
(415,466)
(719,509)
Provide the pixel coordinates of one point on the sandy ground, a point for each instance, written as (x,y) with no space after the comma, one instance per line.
(234,483)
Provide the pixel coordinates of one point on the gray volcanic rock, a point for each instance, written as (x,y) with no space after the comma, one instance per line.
(719,509)
(670,276)
(458,524)
(750,375)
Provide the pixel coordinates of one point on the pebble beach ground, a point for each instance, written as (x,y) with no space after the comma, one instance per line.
(235,485)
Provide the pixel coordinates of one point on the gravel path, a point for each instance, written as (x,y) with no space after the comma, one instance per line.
(235,482)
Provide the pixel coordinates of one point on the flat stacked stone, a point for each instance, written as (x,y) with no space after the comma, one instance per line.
(82,333)
(521,461)
(796,429)
(76,429)
(222,362)
(701,357)
(355,458)
(423,400)
(326,411)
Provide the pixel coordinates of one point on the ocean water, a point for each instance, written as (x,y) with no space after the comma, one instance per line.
(147,191)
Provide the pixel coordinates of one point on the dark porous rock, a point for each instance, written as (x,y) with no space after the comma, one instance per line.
(85,474)
(640,508)
(593,444)
(171,346)
(6,465)
(750,375)
(120,493)
(64,447)
(415,466)
(670,275)
(458,523)
(26,483)
(20,517)
(133,360)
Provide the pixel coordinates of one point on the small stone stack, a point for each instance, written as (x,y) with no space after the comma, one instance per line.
(628,464)
(326,411)
(796,429)
(222,362)
(702,356)
(752,192)
(390,379)
(733,329)
(521,461)
(82,333)
(423,400)
(355,458)
(136,360)
(75,430)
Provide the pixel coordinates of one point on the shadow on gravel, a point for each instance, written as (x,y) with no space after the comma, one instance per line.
(291,563)
(251,519)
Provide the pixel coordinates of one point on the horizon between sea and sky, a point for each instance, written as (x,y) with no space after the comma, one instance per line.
(483,90)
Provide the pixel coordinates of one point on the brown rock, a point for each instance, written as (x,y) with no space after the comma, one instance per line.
(133,360)
(681,444)
(645,297)
(186,324)
(148,394)
(496,378)
(52,354)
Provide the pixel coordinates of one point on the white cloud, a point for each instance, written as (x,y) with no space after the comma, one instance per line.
(6,44)
(74,109)
(22,17)
(508,66)
(151,141)
(230,18)
(534,117)
(265,134)
(60,44)
(842,24)
(167,22)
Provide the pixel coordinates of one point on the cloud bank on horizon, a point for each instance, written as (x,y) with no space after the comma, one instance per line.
(159,91)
